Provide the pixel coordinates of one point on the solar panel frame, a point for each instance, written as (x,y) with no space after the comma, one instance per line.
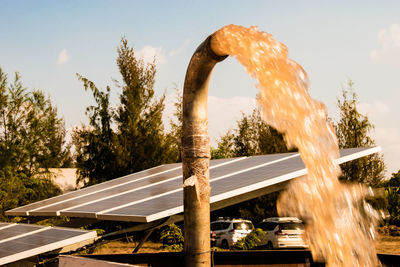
(15,229)
(225,173)
(28,240)
(177,178)
(176,186)
(24,210)
(127,215)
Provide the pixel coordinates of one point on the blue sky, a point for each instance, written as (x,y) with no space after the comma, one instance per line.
(49,41)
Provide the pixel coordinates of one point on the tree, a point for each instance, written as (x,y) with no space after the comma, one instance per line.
(130,137)
(353,131)
(392,190)
(32,136)
(141,142)
(175,135)
(224,149)
(252,136)
(95,145)
(32,140)
(394,180)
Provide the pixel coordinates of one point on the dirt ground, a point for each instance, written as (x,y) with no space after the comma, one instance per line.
(385,244)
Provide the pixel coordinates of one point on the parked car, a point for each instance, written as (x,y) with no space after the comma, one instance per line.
(229,231)
(282,232)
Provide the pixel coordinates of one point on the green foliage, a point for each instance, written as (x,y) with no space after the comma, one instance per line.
(394,180)
(130,137)
(175,135)
(141,140)
(18,189)
(250,241)
(392,190)
(252,136)
(32,140)
(172,237)
(224,149)
(353,130)
(95,145)
(54,221)
(32,137)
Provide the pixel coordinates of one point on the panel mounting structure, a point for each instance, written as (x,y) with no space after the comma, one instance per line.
(157,193)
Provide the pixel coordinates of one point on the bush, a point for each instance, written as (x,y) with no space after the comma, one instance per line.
(172,237)
(250,241)
(17,189)
(393,198)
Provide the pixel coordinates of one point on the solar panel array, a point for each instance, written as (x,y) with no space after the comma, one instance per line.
(21,241)
(157,193)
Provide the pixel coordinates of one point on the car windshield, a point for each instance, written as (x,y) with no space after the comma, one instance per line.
(242,226)
(291,226)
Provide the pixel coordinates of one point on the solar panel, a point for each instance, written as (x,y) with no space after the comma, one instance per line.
(21,241)
(157,193)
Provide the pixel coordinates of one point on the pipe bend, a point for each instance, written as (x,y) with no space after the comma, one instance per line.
(196,155)
(195,139)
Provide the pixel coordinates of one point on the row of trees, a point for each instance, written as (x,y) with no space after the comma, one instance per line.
(131,137)
(252,136)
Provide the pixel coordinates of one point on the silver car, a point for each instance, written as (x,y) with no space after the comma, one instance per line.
(229,231)
(282,232)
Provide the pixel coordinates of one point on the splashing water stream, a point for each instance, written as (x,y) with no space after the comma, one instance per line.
(340,224)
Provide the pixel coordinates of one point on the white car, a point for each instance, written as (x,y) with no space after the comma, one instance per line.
(229,231)
(282,232)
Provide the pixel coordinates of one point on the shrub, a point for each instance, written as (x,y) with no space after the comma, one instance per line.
(172,237)
(250,241)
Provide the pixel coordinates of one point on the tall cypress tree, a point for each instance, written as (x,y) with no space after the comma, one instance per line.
(141,139)
(130,137)
(95,144)
(353,130)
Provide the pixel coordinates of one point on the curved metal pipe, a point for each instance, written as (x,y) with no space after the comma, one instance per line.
(196,155)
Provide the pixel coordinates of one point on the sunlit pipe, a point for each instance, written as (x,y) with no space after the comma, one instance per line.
(196,155)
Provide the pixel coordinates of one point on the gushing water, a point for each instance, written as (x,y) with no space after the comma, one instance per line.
(340,224)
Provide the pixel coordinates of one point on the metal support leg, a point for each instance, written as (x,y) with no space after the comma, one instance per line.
(148,233)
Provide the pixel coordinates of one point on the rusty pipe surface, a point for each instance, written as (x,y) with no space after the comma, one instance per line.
(196,156)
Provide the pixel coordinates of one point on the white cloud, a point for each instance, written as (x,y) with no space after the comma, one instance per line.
(389,45)
(375,110)
(179,50)
(149,53)
(62,57)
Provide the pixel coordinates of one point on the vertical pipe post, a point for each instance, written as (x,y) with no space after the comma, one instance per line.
(196,156)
